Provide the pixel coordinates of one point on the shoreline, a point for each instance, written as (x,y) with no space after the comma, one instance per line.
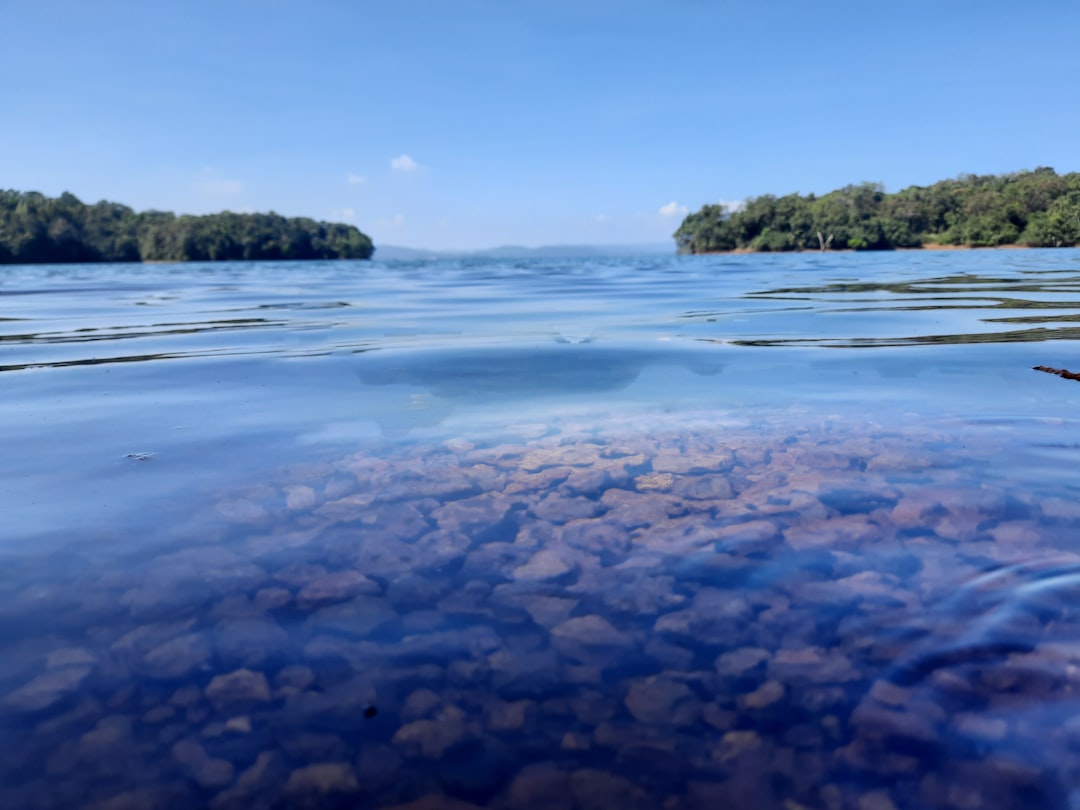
(929,246)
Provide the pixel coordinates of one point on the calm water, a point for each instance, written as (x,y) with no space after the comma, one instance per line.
(791,532)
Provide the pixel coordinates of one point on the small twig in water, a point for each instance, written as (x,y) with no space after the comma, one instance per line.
(1068,375)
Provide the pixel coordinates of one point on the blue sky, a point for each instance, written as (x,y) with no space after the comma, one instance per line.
(473,123)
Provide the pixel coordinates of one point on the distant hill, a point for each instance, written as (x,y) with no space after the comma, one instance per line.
(391,252)
(1038,208)
(39,229)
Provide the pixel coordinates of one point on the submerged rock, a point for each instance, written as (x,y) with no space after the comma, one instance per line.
(47,690)
(322,779)
(237,689)
(546,564)
(660,701)
(177,658)
(433,738)
(336,587)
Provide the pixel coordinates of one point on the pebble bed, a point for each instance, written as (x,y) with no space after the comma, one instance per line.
(700,615)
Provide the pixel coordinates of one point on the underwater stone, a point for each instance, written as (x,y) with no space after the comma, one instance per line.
(335,587)
(838,531)
(242,687)
(600,790)
(249,642)
(474,514)
(591,630)
(300,497)
(176,658)
(322,779)
(596,536)
(46,690)
(560,508)
(546,564)
(433,738)
(765,695)
(420,704)
(654,481)
(503,716)
(539,786)
(660,701)
(357,618)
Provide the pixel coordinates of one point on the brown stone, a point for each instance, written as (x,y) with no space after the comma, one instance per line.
(592,631)
(735,744)
(420,703)
(704,488)
(473,514)
(600,790)
(740,661)
(546,564)
(336,587)
(239,688)
(573,455)
(432,738)
(322,779)
(660,701)
(300,497)
(596,536)
(176,658)
(765,695)
(358,617)
(846,530)
(683,463)
(654,481)
(47,690)
(504,717)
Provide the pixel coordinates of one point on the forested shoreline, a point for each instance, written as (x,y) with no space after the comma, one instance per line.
(1037,208)
(37,229)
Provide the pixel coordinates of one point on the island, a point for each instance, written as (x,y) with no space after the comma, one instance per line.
(1037,208)
(38,229)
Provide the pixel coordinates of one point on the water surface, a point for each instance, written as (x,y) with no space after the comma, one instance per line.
(626,533)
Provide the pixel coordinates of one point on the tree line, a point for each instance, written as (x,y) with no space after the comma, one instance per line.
(1037,208)
(39,229)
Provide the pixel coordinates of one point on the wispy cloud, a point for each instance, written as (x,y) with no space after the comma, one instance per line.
(355,179)
(209,185)
(673,209)
(396,221)
(601,218)
(404,163)
(348,213)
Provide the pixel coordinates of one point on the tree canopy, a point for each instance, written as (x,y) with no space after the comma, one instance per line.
(1037,208)
(39,229)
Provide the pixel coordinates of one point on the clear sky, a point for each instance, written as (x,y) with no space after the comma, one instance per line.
(473,123)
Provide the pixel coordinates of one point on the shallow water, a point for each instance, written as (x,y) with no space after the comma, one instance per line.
(575,534)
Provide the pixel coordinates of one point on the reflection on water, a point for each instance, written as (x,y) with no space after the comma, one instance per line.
(574,535)
(336,307)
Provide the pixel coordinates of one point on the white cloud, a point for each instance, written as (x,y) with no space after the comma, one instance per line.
(404,163)
(355,179)
(348,213)
(673,209)
(601,218)
(732,205)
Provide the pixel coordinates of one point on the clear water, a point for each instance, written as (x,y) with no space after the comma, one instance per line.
(791,531)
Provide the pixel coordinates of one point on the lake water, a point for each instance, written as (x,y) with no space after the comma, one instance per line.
(734,531)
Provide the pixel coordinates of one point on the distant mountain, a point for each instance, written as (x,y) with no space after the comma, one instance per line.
(390,252)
